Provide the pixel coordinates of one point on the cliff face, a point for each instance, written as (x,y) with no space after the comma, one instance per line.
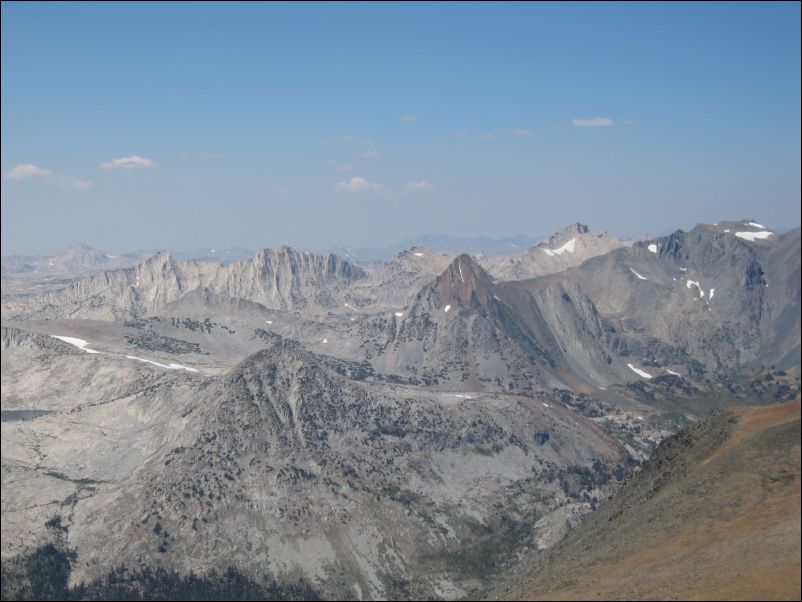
(287,279)
(276,278)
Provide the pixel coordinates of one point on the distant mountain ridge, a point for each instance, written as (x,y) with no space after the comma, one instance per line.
(76,259)
(724,295)
(280,278)
(702,304)
(565,248)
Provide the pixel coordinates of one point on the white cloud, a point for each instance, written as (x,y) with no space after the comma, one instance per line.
(520,133)
(418,185)
(596,122)
(132,162)
(358,184)
(73,183)
(369,154)
(409,117)
(29,170)
(26,171)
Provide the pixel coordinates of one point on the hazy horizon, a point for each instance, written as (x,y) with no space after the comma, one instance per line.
(139,126)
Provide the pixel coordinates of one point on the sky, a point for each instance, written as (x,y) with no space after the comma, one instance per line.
(158,125)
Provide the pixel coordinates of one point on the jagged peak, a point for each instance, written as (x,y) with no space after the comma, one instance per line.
(328,265)
(278,352)
(464,284)
(575,228)
(564,235)
(161,258)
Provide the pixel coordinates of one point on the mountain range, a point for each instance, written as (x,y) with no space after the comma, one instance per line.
(410,429)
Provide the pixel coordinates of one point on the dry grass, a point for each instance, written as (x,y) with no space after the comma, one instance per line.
(753,553)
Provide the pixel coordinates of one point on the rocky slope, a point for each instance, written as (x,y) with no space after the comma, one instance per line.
(696,306)
(715,514)
(277,278)
(395,283)
(461,332)
(564,249)
(363,430)
(366,489)
(726,301)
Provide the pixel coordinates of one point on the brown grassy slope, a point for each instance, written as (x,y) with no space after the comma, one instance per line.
(714,515)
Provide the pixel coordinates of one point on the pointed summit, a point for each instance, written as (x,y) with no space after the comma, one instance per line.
(564,235)
(464,285)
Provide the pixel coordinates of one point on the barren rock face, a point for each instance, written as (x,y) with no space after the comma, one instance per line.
(564,249)
(286,464)
(400,433)
(276,278)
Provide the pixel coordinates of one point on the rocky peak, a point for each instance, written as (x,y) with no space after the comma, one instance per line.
(304,263)
(464,285)
(564,235)
(159,260)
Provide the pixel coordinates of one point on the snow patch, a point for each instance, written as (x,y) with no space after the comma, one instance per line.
(268,321)
(751,236)
(638,275)
(756,225)
(691,283)
(653,248)
(324,341)
(80,343)
(672,372)
(398,314)
(638,371)
(712,292)
(419,255)
(569,246)
(447,307)
(545,405)
(167,366)
(461,396)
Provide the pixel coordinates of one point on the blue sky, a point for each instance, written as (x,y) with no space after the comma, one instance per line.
(136,126)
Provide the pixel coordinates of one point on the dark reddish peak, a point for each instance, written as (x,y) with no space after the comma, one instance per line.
(465,285)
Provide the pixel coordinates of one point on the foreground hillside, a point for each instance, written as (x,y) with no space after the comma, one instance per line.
(715,514)
(281,468)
